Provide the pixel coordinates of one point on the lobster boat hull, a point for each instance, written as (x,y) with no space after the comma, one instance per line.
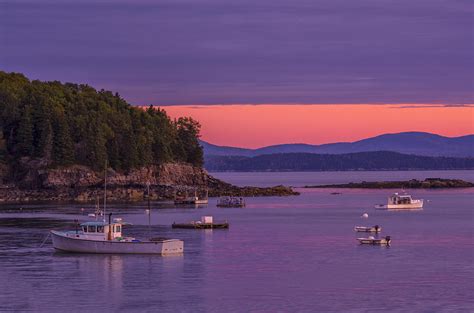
(66,242)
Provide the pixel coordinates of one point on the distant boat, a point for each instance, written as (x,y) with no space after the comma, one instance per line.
(192,200)
(372,229)
(375,241)
(397,201)
(101,237)
(206,222)
(231,202)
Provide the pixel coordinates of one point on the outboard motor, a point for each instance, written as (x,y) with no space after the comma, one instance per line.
(388,239)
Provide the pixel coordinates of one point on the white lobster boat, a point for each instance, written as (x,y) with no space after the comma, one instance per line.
(101,237)
(397,201)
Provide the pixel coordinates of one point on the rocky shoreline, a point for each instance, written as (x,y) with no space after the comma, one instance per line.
(428,183)
(167,181)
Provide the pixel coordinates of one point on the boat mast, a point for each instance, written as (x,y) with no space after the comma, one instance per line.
(149,208)
(105,189)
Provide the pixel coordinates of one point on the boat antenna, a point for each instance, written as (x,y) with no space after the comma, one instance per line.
(149,207)
(105,190)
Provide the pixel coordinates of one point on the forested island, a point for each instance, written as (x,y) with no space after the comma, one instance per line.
(57,139)
(360,161)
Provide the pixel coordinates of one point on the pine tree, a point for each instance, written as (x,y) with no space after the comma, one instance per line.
(188,134)
(42,131)
(63,148)
(24,134)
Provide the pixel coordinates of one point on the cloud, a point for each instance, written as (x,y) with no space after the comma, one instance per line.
(423,106)
(268,51)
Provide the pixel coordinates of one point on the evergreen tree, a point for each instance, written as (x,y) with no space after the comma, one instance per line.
(42,131)
(75,124)
(63,148)
(188,134)
(24,134)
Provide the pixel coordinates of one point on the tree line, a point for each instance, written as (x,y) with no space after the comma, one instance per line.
(65,124)
(377,160)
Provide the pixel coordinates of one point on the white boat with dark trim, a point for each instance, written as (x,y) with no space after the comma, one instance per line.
(385,241)
(369,229)
(192,200)
(102,237)
(397,201)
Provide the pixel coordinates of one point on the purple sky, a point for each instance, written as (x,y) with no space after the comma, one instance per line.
(247,51)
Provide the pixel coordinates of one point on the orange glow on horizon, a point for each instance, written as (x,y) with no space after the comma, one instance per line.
(253,126)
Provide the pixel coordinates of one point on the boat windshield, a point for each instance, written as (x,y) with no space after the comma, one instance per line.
(91,229)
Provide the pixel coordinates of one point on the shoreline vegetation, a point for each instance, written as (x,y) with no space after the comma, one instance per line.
(57,138)
(428,183)
(359,161)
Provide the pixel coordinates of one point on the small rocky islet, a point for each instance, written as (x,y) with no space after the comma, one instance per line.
(428,183)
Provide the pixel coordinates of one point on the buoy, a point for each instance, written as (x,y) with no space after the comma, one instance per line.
(365,215)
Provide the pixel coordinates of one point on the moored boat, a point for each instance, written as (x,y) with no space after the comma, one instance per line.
(397,201)
(102,237)
(369,229)
(192,200)
(385,241)
(206,222)
(231,202)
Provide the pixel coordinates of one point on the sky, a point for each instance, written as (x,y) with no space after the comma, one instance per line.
(255,52)
(254,126)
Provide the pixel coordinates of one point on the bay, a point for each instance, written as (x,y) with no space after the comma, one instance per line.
(281,254)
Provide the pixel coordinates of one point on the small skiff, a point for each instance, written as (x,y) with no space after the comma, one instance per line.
(206,222)
(385,241)
(200,225)
(365,229)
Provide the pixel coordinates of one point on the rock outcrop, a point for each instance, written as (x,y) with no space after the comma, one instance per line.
(428,183)
(80,183)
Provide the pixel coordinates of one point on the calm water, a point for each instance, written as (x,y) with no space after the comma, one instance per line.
(291,254)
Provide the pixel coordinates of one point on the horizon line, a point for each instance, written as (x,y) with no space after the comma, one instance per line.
(399,105)
(328,143)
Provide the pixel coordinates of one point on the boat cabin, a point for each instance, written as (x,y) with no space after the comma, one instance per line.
(399,199)
(100,231)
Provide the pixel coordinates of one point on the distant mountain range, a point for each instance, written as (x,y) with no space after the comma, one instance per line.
(415,143)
